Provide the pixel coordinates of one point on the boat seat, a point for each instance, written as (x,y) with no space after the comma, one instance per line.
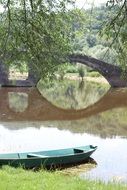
(36,155)
(76,150)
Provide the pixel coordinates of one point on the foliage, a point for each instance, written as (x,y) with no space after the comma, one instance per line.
(71,94)
(78,29)
(35,32)
(104,53)
(42,33)
(93,74)
(116,29)
(91,42)
(67,68)
(72,69)
(81,72)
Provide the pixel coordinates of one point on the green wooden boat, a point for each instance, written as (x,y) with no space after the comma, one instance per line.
(48,158)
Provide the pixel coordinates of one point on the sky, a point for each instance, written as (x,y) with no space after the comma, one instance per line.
(87,3)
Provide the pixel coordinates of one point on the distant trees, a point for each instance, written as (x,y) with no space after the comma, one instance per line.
(105,34)
(90,40)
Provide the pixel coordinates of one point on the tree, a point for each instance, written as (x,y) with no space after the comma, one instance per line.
(35,32)
(39,32)
(116,29)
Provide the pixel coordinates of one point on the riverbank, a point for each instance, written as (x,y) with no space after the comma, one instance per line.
(71,76)
(13,179)
(96,79)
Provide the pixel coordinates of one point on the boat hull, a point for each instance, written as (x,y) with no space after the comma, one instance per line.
(46,158)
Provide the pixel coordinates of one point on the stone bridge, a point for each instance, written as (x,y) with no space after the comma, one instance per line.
(112,73)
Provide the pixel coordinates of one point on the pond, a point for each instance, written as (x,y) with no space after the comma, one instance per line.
(68,114)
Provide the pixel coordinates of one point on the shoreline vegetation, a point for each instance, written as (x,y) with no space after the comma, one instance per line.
(96,79)
(18,178)
(89,79)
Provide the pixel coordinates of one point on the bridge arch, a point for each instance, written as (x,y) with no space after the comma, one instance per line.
(110,72)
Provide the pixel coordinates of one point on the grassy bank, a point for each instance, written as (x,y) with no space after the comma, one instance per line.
(19,179)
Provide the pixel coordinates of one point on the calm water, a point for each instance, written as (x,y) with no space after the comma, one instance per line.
(64,118)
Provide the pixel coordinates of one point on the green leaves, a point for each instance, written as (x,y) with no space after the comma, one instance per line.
(116,29)
(35,32)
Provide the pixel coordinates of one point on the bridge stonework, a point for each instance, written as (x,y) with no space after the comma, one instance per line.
(112,73)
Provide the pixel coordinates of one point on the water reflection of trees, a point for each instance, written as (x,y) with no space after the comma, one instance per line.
(109,124)
(18,101)
(106,118)
(72,94)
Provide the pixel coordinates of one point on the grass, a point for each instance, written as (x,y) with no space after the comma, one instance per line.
(19,179)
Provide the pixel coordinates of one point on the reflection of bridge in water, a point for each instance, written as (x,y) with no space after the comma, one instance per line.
(39,109)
